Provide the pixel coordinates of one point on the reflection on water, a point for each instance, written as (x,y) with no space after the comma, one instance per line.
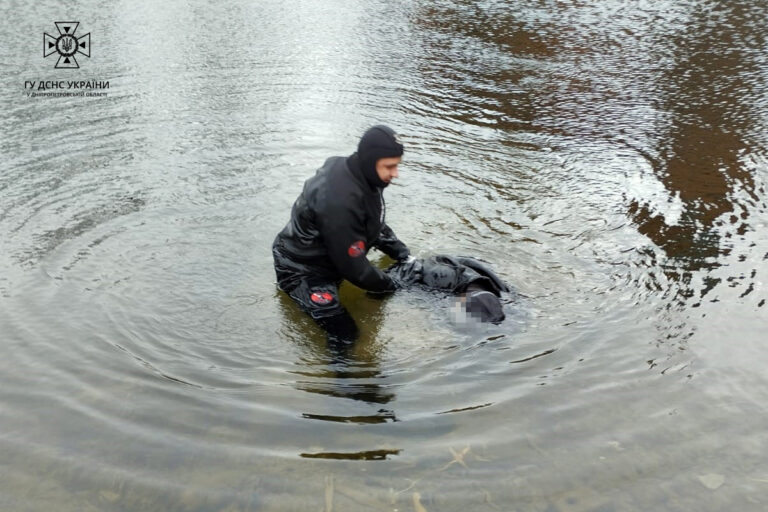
(711,129)
(342,370)
(609,160)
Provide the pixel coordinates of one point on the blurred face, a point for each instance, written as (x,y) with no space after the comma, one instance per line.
(386,168)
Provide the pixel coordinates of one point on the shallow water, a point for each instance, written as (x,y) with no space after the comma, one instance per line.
(609,160)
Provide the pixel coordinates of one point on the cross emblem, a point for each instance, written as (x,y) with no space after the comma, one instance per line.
(67,44)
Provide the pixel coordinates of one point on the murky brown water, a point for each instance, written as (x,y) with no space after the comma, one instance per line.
(608,158)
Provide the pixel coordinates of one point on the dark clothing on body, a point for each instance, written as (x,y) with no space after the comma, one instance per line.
(469,277)
(453,274)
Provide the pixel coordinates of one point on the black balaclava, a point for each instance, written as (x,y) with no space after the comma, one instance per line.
(378,142)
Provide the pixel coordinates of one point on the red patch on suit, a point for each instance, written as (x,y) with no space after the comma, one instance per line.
(321,298)
(356,249)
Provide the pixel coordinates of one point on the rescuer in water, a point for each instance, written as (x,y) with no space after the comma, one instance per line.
(338,217)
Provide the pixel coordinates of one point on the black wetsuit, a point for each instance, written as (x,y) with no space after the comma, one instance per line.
(336,220)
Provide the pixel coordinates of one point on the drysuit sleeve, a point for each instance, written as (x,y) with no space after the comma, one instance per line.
(389,244)
(343,232)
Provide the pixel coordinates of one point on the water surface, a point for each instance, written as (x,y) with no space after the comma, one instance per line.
(608,159)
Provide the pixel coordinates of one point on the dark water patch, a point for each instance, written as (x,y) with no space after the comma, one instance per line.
(382,416)
(530,358)
(365,455)
(465,409)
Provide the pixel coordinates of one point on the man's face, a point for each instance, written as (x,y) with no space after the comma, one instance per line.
(386,168)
